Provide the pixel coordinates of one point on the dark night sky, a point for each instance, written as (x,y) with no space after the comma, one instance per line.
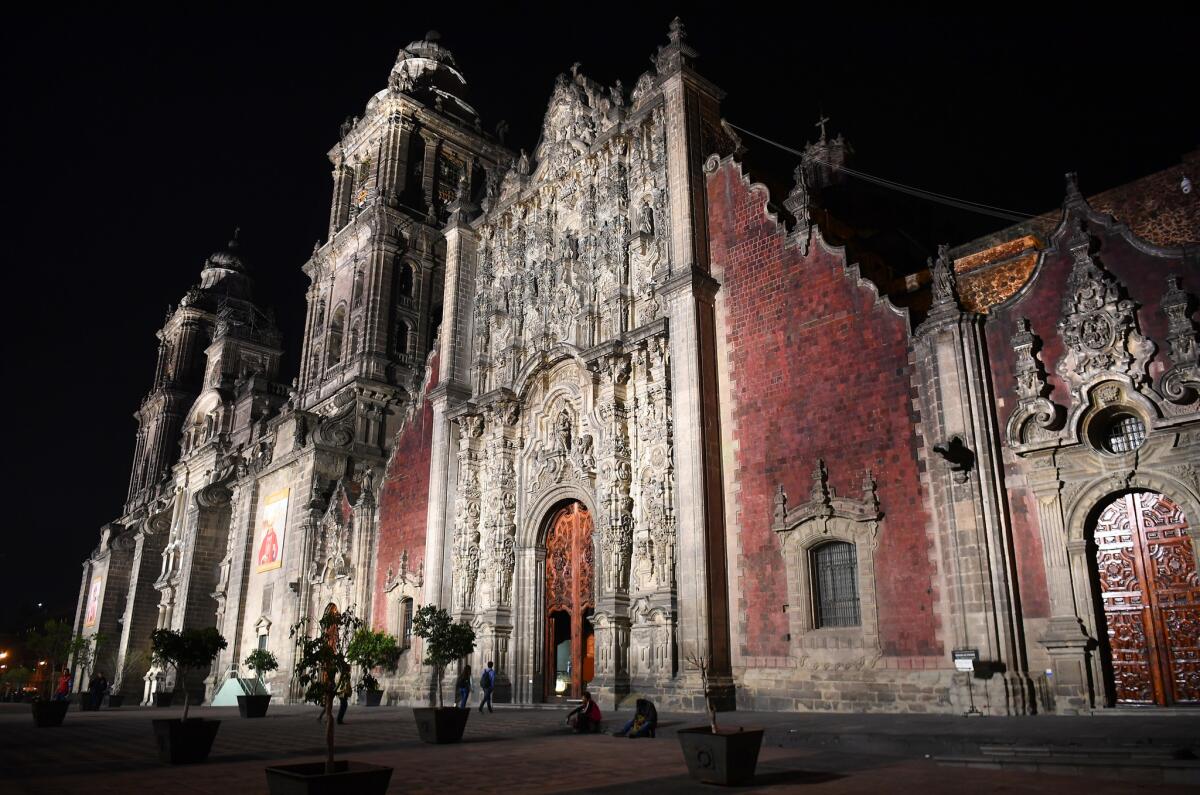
(137,143)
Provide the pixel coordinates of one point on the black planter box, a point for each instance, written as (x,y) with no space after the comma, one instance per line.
(370,698)
(115,701)
(441,724)
(309,778)
(728,757)
(49,713)
(162,699)
(253,706)
(185,741)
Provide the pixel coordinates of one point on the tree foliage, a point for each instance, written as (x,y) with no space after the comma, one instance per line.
(321,666)
(369,649)
(261,660)
(191,648)
(53,644)
(445,640)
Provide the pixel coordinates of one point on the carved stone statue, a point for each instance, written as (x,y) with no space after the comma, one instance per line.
(646,219)
(562,432)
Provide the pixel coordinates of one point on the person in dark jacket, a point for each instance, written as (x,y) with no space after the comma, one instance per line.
(585,718)
(643,723)
(98,685)
(462,687)
(487,683)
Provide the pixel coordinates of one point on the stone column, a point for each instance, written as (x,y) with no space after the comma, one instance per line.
(1066,640)
(701,573)
(429,172)
(339,211)
(394,169)
(613,531)
(968,496)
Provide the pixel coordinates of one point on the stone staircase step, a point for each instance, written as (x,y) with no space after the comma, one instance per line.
(1165,771)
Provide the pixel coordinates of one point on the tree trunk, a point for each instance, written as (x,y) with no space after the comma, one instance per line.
(183,682)
(329,733)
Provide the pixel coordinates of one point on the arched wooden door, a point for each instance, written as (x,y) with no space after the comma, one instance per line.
(1151,600)
(570,647)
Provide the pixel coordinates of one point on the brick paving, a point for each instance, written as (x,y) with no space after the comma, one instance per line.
(529,751)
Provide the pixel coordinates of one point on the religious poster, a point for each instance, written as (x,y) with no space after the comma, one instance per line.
(93,603)
(272,525)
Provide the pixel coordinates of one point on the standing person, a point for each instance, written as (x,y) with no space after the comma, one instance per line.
(343,695)
(63,691)
(586,717)
(487,682)
(98,685)
(462,687)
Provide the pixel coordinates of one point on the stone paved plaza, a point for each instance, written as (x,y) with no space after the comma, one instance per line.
(527,750)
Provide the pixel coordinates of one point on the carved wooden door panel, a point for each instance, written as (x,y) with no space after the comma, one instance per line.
(1151,598)
(569,565)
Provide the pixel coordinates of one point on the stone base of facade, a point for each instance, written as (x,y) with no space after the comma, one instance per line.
(896,691)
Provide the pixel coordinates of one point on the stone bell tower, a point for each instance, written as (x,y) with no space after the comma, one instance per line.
(376,293)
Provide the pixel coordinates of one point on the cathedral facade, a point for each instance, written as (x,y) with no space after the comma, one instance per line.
(613,407)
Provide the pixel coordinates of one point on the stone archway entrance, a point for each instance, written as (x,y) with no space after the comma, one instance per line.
(1149,595)
(570,601)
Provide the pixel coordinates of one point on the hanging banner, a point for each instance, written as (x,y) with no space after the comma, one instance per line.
(93,603)
(272,527)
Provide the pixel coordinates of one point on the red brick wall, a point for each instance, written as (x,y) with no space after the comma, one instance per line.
(1145,278)
(819,369)
(403,501)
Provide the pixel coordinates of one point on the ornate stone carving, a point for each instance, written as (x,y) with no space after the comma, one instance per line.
(823,503)
(1036,417)
(1181,383)
(338,429)
(798,204)
(826,517)
(331,554)
(943,283)
(1098,327)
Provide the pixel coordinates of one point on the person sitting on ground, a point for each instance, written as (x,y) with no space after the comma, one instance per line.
(586,717)
(644,721)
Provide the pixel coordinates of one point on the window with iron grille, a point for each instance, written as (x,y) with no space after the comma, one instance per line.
(1125,433)
(406,622)
(835,585)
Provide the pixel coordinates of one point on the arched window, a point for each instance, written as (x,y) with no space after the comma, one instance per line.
(404,337)
(358,288)
(405,281)
(336,327)
(835,585)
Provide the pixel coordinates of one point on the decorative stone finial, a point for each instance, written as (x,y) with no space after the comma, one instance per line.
(944,283)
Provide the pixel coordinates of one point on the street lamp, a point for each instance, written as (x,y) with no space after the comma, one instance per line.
(3,655)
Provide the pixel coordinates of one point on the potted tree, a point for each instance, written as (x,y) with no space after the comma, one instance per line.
(134,662)
(715,755)
(321,670)
(85,650)
(52,646)
(254,705)
(185,740)
(371,650)
(445,642)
